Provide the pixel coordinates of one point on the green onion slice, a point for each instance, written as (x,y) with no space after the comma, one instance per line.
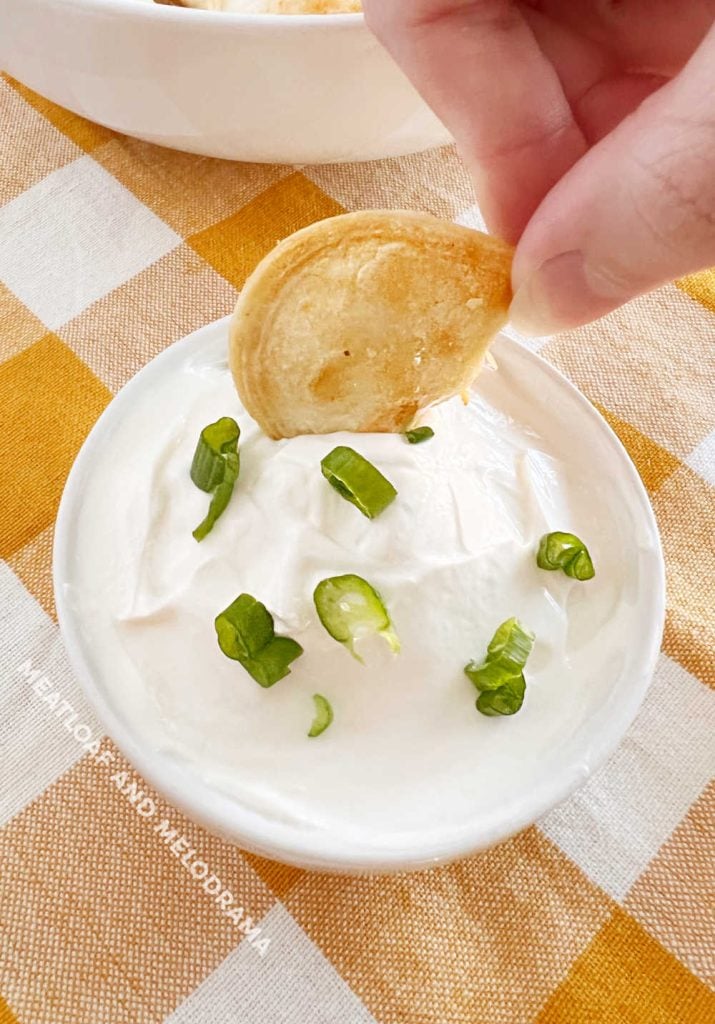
(245,633)
(507,700)
(350,608)
(500,677)
(565,551)
(358,481)
(215,468)
(323,715)
(419,434)
(511,645)
(506,656)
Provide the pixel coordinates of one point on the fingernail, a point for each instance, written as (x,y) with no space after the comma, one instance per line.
(557,296)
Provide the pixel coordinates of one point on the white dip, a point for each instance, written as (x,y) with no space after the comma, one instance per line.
(407,755)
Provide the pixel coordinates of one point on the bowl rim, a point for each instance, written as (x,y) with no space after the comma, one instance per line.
(256,833)
(207,18)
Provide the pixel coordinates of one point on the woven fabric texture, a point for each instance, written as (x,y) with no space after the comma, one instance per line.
(603,912)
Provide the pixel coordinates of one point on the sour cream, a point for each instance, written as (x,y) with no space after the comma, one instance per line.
(407,754)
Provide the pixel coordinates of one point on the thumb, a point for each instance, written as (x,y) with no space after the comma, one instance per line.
(637,211)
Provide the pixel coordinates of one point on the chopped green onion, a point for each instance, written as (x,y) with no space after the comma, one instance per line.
(215,468)
(358,481)
(506,656)
(323,715)
(500,677)
(507,700)
(245,633)
(350,608)
(216,440)
(580,567)
(511,644)
(565,551)
(419,434)
(220,498)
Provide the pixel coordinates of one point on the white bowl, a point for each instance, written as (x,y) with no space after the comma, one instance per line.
(274,88)
(547,751)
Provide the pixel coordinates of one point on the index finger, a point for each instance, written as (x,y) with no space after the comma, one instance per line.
(480,68)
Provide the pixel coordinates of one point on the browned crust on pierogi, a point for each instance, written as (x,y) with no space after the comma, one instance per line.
(359,321)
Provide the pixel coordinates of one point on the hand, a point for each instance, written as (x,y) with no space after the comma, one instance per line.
(589,129)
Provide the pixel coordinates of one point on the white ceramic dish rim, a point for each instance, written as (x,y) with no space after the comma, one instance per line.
(289,22)
(270,838)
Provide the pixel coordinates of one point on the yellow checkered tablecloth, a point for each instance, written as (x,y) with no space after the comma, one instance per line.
(604,912)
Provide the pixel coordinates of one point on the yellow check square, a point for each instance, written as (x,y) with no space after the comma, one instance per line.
(48,403)
(235,245)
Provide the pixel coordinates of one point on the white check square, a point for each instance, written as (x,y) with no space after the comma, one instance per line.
(618,821)
(702,459)
(295,983)
(36,744)
(75,236)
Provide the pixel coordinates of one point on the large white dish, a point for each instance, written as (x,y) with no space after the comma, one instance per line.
(271,88)
(549,767)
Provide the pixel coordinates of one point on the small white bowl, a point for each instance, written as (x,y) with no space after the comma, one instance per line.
(552,752)
(267,88)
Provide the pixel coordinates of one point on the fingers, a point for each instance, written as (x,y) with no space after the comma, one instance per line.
(592,77)
(637,211)
(654,35)
(478,65)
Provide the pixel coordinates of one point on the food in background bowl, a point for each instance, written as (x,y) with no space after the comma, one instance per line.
(375,650)
(271,6)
